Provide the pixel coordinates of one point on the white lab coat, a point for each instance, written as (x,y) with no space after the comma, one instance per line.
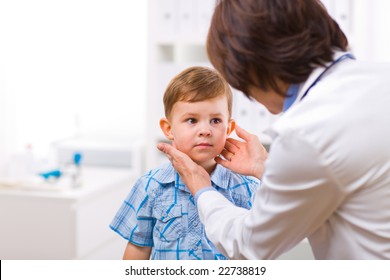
(327,177)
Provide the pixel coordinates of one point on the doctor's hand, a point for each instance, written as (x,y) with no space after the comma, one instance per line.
(193,175)
(244,157)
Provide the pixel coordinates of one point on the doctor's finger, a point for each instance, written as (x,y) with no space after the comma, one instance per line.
(168,150)
(227,154)
(232,145)
(243,134)
(237,143)
(177,157)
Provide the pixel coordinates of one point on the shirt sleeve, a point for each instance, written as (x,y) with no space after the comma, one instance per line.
(244,195)
(134,221)
(297,196)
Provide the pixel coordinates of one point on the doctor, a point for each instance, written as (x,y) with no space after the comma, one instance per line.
(327,175)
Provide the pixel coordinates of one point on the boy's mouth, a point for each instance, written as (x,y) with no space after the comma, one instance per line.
(203,144)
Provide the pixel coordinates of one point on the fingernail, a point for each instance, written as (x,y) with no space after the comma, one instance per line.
(160,146)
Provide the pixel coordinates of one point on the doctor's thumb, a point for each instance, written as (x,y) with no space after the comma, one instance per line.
(163,147)
(166,148)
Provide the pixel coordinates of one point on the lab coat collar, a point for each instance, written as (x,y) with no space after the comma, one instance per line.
(314,76)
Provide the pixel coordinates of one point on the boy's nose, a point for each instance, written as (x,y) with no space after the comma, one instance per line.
(205,130)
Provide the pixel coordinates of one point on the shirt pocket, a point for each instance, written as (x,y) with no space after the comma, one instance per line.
(169,222)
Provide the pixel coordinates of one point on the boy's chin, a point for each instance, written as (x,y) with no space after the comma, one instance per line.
(204,161)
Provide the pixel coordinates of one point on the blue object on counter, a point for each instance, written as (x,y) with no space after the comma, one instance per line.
(51,174)
(57,173)
(77,158)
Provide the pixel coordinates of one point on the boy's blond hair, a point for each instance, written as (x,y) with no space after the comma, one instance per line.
(196,84)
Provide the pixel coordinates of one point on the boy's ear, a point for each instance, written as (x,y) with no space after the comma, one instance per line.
(231,126)
(166,128)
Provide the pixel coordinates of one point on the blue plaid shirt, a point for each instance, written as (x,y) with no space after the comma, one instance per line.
(160,212)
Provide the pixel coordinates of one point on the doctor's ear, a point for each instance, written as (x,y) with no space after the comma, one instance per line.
(166,128)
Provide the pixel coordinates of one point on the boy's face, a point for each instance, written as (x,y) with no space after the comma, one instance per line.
(199,129)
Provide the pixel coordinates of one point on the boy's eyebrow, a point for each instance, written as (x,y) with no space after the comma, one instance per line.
(217,114)
(190,114)
(197,114)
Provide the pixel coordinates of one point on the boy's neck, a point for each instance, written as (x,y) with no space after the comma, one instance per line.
(209,166)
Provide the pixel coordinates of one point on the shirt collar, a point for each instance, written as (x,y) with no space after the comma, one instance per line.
(292,94)
(166,174)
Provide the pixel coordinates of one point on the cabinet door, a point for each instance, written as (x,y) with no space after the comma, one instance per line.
(94,215)
(35,227)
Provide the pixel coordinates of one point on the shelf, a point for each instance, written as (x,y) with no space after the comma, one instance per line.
(181,53)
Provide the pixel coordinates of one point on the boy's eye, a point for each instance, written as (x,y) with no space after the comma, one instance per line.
(191,120)
(216,121)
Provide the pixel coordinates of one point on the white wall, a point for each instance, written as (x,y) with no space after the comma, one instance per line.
(381,31)
(366,24)
(70,66)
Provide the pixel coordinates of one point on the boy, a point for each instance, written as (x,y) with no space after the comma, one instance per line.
(159,217)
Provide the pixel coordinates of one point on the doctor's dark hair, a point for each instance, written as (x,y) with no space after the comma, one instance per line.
(196,84)
(256,43)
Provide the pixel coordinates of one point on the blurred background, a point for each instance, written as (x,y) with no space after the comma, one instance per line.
(81,86)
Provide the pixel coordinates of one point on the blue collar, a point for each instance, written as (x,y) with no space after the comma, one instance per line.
(292,94)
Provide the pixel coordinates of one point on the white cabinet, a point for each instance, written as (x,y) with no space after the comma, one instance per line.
(65,223)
